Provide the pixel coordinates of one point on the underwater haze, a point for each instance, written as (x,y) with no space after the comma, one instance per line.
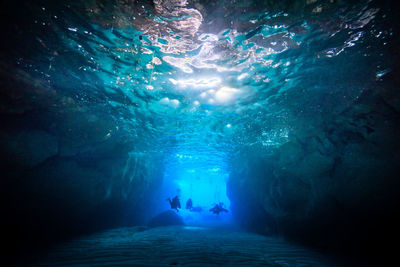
(287,113)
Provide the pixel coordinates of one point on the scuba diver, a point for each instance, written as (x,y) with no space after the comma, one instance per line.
(189,204)
(175,203)
(218,208)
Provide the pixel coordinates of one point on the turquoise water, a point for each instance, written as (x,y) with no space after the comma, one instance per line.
(201,82)
(204,80)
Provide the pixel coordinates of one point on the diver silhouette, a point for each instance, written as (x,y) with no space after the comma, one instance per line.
(189,204)
(218,208)
(174,203)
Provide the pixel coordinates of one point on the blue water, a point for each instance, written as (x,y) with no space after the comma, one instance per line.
(201,83)
(270,107)
(196,93)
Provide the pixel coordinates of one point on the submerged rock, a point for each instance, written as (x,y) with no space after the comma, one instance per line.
(27,148)
(166,218)
(330,187)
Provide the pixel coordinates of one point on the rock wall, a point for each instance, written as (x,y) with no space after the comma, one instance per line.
(333,184)
(71,171)
(70,162)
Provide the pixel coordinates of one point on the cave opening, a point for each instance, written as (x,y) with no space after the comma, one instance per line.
(203,184)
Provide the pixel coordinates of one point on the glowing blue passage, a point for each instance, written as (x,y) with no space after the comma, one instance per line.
(205,187)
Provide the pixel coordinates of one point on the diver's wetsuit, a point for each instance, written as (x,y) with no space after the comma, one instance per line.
(175,203)
(217,209)
(189,204)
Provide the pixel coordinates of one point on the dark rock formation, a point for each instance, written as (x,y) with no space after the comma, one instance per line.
(333,186)
(71,176)
(166,218)
(27,148)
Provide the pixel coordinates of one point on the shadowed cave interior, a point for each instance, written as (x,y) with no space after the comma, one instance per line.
(286,114)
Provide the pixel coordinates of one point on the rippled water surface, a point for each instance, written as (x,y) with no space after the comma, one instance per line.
(200,80)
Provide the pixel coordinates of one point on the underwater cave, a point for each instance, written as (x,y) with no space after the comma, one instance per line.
(200,133)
